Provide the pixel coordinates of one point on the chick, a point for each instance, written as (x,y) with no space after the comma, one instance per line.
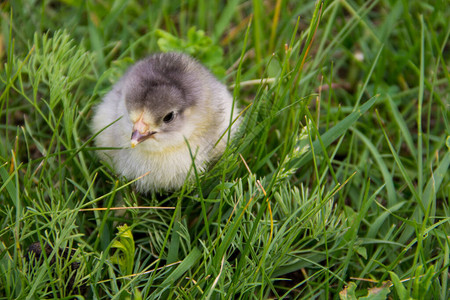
(163,106)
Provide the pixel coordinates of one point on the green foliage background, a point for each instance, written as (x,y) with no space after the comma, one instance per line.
(337,182)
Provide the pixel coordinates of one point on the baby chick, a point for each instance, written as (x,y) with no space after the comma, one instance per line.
(163,106)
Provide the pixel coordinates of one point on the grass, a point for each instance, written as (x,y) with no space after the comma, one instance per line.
(337,182)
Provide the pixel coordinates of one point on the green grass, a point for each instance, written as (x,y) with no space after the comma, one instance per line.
(337,182)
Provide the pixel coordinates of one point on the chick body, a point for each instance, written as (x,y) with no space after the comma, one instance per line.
(178,102)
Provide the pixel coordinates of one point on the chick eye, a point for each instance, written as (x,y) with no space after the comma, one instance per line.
(169,117)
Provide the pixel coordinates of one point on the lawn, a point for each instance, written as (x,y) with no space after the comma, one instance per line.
(336,185)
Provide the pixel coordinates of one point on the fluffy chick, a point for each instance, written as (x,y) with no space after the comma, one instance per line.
(162,104)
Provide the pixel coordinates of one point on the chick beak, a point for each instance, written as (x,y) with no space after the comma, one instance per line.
(141,132)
